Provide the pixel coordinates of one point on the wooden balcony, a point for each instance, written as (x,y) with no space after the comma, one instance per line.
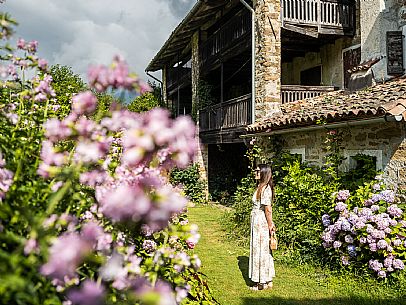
(291,93)
(178,76)
(336,17)
(233,37)
(233,113)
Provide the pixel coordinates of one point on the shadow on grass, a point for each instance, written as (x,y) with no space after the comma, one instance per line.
(330,301)
(243,264)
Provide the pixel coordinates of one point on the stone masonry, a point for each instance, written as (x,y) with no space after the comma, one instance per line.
(387,141)
(195,69)
(267,57)
(164,86)
(202,157)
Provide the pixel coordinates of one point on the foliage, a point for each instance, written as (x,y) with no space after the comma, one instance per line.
(238,221)
(302,197)
(144,102)
(364,172)
(148,100)
(332,148)
(367,231)
(222,187)
(205,98)
(66,84)
(189,181)
(156,90)
(86,216)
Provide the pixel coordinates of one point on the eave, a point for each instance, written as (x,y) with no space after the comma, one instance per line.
(179,39)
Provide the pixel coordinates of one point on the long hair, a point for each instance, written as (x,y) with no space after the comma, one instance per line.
(265,179)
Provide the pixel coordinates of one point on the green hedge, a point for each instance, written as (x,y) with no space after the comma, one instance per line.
(189,180)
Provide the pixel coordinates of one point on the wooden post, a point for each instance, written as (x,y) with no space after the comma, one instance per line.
(319,19)
(222,83)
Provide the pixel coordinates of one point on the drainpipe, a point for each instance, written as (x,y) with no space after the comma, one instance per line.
(159,81)
(252,59)
(386,118)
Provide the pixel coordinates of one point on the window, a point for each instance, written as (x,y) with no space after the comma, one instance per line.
(354,161)
(299,152)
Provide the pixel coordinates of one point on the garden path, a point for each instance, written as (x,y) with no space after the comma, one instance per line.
(226,265)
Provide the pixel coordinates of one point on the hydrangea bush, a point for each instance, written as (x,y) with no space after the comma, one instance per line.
(367,229)
(87,215)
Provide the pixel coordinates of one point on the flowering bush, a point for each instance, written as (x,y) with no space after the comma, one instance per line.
(86,215)
(367,229)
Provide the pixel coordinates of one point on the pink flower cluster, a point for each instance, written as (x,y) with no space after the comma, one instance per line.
(6,178)
(134,194)
(31,46)
(44,90)
(145,198)
(116,76)
(172,141)
(377,230)
(64,260)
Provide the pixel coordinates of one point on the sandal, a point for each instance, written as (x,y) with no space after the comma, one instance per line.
(257,287)
(268,285)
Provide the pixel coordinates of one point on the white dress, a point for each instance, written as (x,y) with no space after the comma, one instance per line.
(261,263)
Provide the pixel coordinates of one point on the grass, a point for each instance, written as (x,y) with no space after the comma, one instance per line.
(225,263)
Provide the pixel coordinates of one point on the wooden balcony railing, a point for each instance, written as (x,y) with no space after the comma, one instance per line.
(291,93)
(327,14)
(226,36)
(177,76)
(230,114)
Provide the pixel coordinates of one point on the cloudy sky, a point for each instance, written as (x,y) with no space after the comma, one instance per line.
(82,32)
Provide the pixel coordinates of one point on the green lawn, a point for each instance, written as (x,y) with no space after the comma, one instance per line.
(226,265)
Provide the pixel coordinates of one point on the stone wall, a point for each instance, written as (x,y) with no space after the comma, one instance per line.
(195,70)
(164,86)
(202,159)
(267,58)
(378,17)
(386,141)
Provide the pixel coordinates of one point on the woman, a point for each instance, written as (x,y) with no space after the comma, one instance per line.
(261,264)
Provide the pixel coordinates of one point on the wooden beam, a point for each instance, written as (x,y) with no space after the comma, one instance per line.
(303,31)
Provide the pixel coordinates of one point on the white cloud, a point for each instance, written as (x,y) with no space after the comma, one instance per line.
(78,33)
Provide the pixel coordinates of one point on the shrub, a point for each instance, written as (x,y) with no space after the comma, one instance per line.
(367,230)
(302,197)
(85,214)
(189,180)
(144,102)
(237,221)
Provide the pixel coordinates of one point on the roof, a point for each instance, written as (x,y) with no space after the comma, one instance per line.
(202,12)
(365,65)
(383,99)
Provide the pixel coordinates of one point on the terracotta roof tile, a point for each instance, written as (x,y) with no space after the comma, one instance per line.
(378,100)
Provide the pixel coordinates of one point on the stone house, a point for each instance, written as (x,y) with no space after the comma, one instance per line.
(371,122)
(246,66)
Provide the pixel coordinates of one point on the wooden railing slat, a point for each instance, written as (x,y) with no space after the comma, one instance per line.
(229,114)
(330,13)
(291,93)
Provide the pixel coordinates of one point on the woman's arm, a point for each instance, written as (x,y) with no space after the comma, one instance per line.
(268,215)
